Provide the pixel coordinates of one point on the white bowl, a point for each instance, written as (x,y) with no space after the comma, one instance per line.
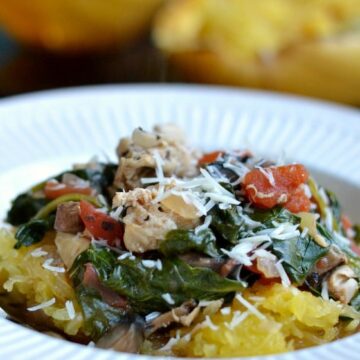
(43,133)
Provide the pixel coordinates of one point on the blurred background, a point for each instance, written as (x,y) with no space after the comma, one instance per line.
(307,47)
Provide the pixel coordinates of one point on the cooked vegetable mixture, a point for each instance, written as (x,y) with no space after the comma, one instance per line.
(177,252)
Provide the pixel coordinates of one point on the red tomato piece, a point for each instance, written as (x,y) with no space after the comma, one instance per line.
(101,225)
(54,189)
(210,157)
(278,185)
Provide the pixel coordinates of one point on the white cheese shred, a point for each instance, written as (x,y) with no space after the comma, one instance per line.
(250,307)
(47,265)
(208,323)
(39,252)
(283,276)
(43,305)
(168,298)
(70,309)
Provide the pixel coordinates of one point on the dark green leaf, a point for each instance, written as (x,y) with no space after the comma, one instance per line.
(144,287)
(32,232)
(227,224)
(278,214)
(183,241)
(99,317)
(299,256)
(23,208)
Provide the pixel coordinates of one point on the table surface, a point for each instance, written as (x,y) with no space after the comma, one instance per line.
(24,70)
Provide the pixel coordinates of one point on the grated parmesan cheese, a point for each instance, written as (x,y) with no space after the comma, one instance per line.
(283,276)
(38,253)
(324,290)
(226,310)
(203,226)
(268,174)
(43,305)
(151,316)
(250,307)
(47,265)
(70,309)
(168,298)
(237,318)
(126,255)
(209,323)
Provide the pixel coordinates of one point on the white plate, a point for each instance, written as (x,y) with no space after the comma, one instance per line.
(43,133)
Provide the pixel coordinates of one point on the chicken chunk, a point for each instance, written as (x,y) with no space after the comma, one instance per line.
(147,222)
(137,156)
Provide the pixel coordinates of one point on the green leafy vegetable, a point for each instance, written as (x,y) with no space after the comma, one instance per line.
(182,241)
(33,231)
(299,256)
(227,224)
(99,317)
(145,287)
(23,208)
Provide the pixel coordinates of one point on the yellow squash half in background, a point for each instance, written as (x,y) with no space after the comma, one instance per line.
(309,47)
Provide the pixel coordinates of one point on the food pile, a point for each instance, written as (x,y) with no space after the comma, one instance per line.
(177,252)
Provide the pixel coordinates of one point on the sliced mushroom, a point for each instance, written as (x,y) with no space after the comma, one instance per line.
(125,337)
(342,285)
(183,314)
(68,218)
(333,258)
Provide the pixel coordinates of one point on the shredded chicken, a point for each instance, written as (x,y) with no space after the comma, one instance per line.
(136,155)
(147,223)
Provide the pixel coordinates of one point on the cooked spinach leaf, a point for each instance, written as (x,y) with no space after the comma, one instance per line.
(182,241)
(99,317)
(23,208)
(33,231)
(146,288)
(299,256)
(277,214)
(227,224)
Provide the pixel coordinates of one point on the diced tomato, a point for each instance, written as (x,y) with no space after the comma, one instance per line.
(346,223)
(91,279)
(282,186)
(210,157)
(54,189)
(100,224)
